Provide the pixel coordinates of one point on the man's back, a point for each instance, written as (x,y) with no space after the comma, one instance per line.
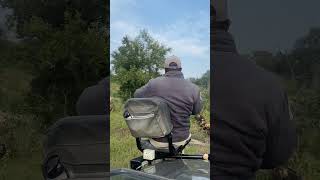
(182,97)
(251,123)
(93,100)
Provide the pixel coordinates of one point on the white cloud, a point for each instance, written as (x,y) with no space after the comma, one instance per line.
(118,30)
(184,46)
(184,37)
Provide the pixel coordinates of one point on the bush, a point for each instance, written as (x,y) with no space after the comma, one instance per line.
(19,134)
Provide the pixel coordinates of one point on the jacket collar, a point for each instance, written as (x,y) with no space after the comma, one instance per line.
(223,41)
(174,74)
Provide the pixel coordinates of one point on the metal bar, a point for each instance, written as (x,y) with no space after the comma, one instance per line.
(187,156)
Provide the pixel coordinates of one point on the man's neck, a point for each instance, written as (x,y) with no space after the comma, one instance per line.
(174,73)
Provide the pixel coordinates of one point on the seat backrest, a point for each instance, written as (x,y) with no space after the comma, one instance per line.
(148,117)
(78,139)
(79,143)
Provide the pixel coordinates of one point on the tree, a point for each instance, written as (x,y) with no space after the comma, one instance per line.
(203,81)
(136,61)
(299,70)
(52,12)
(65,62)
(307,54)
(64,46)
(264,59)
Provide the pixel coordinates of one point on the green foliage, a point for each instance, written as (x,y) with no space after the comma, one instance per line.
(136,61)
(19,133)
(203,81)
(204,85)
(63,58)
(205,94)
(300,72)
(264,59)
(27,167)
(62,49)
(52,12)
(65,61)
(131,80)
(301,65)
(14,84)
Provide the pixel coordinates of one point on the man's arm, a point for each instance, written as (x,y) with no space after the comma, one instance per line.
(282,136)
(143,91)
(197,107)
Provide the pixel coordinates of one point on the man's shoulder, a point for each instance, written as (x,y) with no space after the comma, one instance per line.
(158,78)
(155,80)
(255,72)
(163,78)
(194,86)
(93,99)
(246,77)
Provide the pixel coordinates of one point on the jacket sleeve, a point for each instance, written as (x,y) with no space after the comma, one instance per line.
(198,104)
(282,136)
(143,91)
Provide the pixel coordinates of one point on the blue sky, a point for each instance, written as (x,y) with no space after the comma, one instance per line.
(182,25)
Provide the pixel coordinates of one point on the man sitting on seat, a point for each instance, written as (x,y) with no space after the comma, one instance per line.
(182,96)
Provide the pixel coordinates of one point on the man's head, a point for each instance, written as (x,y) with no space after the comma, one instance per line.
(172,63)
(220,14)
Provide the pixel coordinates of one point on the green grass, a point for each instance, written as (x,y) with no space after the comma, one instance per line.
(122,144)
(17,131)
(23,158)
(14,84)
(26,168)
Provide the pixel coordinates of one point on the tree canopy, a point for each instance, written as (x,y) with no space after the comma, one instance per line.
(203,81)
(64,46)
(136,61)
(299,70)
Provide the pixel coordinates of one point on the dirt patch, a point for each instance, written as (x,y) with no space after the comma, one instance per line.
(198,143)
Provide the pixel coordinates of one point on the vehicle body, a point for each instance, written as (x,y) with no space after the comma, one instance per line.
(182,169)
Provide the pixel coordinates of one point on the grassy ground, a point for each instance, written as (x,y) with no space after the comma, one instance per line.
(122,144)
(23,160)
(14,84)
(26,168)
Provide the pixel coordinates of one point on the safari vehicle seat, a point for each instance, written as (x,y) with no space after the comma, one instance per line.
(76,147)
(150,118)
